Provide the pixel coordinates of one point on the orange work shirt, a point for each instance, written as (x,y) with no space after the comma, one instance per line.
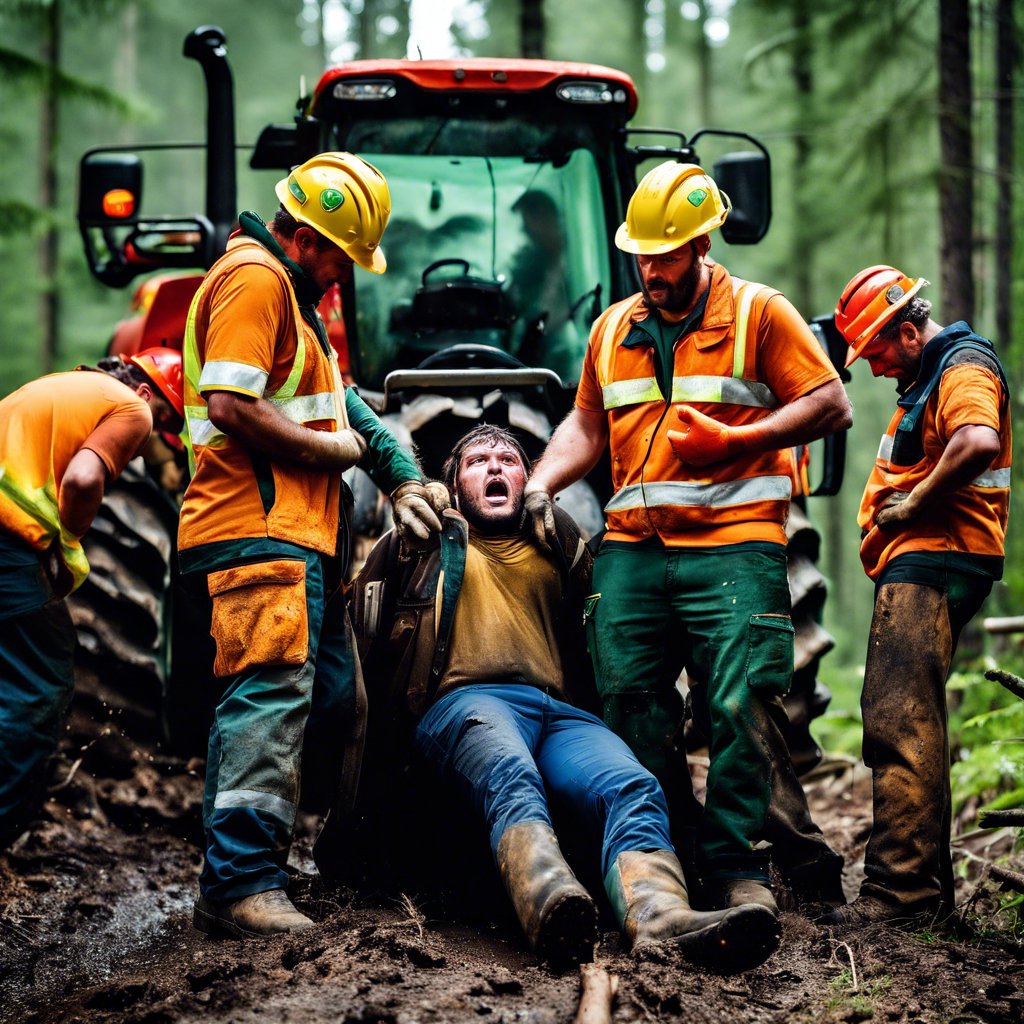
(776,361)
(972,519)
(247,332)
(43,425)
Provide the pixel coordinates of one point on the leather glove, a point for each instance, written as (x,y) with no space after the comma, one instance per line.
(415,520)
(437,496)
(540,509)
(703,441)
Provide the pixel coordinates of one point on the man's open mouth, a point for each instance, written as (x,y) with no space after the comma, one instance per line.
(496,492)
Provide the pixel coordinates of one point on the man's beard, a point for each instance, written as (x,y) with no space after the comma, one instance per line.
(509,521)
(680,296)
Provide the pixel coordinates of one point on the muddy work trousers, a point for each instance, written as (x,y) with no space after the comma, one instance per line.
(914,631)
(273,723)
(37,643)
(723,614)
(508,748)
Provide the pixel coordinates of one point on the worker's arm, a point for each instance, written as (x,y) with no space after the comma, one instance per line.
(703,440)
(259,425)
(81,491)
(388,464)
(971,450)
(571,453)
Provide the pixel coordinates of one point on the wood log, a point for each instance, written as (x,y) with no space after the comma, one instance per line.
(1008,624)
(1012,818)
(1008,680)
(1013,879)
(597,995)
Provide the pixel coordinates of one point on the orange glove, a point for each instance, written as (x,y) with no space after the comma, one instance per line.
(703,440)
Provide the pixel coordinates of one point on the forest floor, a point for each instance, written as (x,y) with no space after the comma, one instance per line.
(95,926)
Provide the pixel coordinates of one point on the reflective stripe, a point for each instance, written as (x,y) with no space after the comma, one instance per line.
(993,478)
(885,448)
(729,390)
(302,409)
(275,806)
(222,373)
(744,300)
(631,392)
(307,408)
(200,429)
(717,495)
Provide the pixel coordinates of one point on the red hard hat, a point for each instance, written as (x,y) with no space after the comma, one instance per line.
(869,301)
(163,367)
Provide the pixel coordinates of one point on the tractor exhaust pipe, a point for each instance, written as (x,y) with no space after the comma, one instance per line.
(208,45)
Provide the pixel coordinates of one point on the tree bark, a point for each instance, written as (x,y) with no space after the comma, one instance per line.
(956,183)
(531,28)
(1006,59)
(49,246)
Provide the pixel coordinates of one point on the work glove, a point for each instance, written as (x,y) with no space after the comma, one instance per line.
(347,445)
(415,519)
(703,441)
(437,496)
(540,509)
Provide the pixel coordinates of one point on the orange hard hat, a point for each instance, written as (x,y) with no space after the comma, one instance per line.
(163,367)
(869,301)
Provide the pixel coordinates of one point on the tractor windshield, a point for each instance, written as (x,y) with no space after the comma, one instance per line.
(502,250)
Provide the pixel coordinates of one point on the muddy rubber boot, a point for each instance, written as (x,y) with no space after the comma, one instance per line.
(870,910)
(648,893)
(555,911)
(740,892)
(255,916)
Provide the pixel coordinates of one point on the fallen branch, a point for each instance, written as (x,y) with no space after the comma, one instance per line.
(597,995)
(853,967)
(1007,679)
(1012,818)
(1009,624)
(1014,879)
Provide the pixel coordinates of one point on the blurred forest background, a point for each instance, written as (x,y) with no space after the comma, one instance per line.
(893,127)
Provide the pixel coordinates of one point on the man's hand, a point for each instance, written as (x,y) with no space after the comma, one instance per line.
(702,441)
(415,520)
(540,509)
(898,509)
(344,447)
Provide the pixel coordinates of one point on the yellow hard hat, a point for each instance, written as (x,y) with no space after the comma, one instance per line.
(344,198)
(673,204)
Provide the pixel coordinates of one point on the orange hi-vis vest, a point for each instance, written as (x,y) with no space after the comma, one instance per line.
(971,520)
(233,494)
(716,371)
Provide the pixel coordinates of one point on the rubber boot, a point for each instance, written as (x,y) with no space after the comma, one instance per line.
(648,892)
(555,911)
(741,892)
(255,916)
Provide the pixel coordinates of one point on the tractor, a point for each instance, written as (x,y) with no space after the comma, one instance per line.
(508,179)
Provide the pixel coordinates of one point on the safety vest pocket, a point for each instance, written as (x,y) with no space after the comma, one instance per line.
(770,653)
(259,615)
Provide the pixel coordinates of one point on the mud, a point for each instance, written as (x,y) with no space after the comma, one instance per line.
(95,927)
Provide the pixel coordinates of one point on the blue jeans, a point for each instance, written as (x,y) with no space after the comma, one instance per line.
(506,747)
(272,722)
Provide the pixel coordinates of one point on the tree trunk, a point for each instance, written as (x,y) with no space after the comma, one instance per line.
(1006,59)
(956,183)
(531,28)
(49,251)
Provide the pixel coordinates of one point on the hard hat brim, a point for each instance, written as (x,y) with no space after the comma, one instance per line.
(853,353)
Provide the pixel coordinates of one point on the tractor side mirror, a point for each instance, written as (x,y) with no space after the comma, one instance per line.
(110,189)
(281,147)
(119,244)
(746,179)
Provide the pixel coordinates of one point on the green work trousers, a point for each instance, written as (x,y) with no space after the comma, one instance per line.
(723,614)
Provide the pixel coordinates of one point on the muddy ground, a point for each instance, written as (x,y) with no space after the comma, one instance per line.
(95,908)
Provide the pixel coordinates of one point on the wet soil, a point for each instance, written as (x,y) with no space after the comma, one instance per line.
(95,926)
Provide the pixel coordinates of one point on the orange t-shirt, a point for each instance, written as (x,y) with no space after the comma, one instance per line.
(781,353)
(245,321)
(970,520)
(43,425)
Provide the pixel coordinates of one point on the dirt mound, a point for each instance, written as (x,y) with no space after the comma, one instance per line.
(95,927)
